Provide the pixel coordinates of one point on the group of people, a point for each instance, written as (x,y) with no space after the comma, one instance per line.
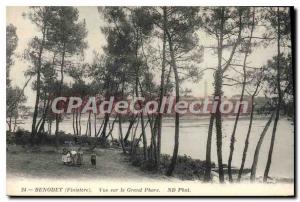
(72,157)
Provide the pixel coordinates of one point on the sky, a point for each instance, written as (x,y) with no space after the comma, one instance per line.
(96,40)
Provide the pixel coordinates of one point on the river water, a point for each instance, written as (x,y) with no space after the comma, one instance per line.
(193,136)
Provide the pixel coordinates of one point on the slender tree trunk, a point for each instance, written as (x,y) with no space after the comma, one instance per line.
(76,123)
(88,125)
(271,146)
(137,95)
(106,120)
(153,139)
(38,88)
(218,118)
(257,149)
(99,130)
(246,142)
(41,119)
(95,124)
(79,122)
(144,137)
(132,150)
(207,175)
(131,123)
(41,128)
(218,94)
(111,128)
(232,140)
(50,127)
(141,135)
(266,173)
(162,93)
(121,135)
(59,93)
(176,138)
(87,128)
(249,131)
(73,122)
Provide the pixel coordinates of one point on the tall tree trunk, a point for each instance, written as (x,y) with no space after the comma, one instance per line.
(79,122)
(218,94)
(41,124)
(106,120)
(257,149)
(38,86)
(88,125)
(132,150)
(131,123)
(246,143)
(99,130)
(144,135)
(176,137)
(76,123)
(50,127)
(266,173)
(162,92)
(95,124)
(137,95)
(249,131)
(219,138)
(111,128)
(41,128)
(207,174)
(121,135)
(73,122)
(141,136)
(153,146)
(59,93)
(232,140)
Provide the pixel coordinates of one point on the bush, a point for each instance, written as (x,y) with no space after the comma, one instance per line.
(10,138)
(186,168)
(148,165)
(22,137)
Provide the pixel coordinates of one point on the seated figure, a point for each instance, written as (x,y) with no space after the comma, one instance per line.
(66,157)
(73,157)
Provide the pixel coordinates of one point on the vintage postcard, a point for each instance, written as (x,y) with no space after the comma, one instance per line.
(150,101)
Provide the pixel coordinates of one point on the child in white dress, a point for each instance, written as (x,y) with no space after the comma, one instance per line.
(66,157)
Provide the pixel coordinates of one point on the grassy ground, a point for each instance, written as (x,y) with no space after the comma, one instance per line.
(46,163)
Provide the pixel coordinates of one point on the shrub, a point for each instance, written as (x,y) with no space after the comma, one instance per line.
(10,138)
(186,168)
(22,137)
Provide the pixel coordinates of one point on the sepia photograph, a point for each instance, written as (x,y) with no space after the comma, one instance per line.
(150,101)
